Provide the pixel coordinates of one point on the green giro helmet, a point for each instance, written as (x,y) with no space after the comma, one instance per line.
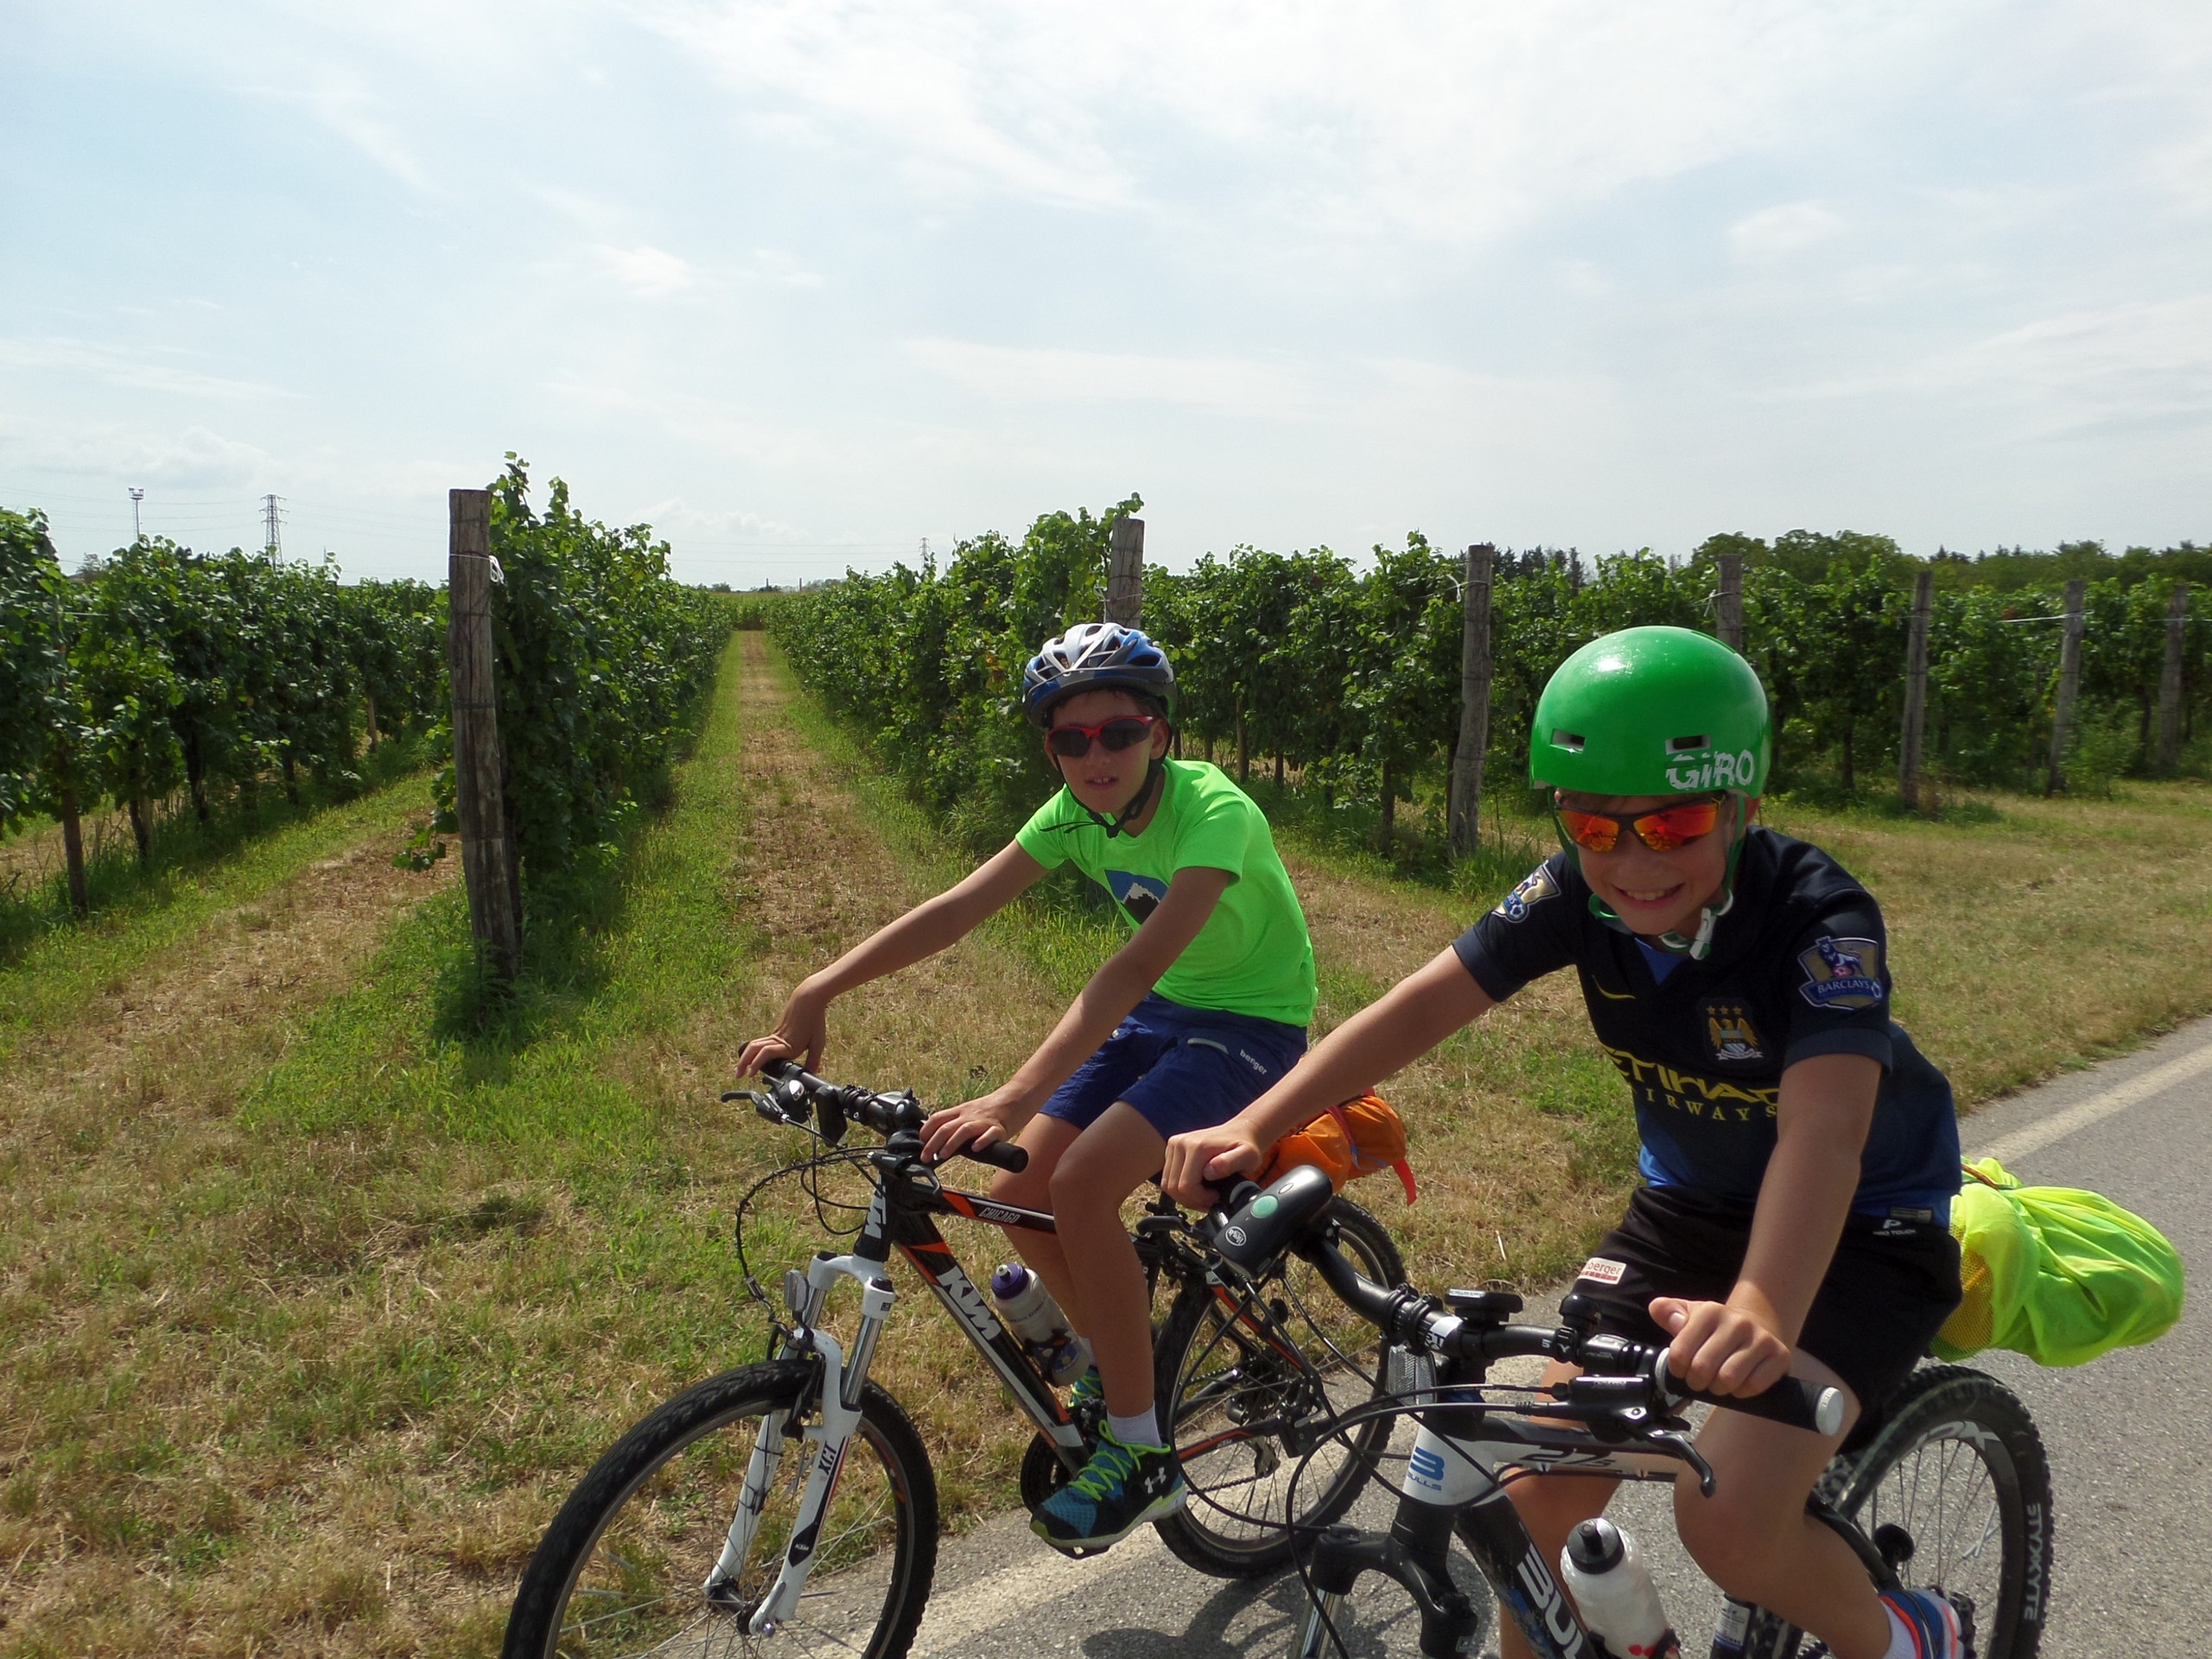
(1652,711)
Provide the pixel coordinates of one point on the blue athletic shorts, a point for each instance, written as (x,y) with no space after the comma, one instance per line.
(1182,1068)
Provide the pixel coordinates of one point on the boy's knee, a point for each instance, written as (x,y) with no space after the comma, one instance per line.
(1732,1543)
(1072,1191)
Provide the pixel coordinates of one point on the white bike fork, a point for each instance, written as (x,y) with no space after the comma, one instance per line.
(839,1401)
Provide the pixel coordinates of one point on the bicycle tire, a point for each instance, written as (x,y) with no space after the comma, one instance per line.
(1955,1464)
(1216,1381)
(639,1534)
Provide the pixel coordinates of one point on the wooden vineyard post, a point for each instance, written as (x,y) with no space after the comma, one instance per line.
(2070,686)
(1465,821)
(73,853)
(1125,574)
(1916,691)
(478,765)
(1728,603)
(2170,682)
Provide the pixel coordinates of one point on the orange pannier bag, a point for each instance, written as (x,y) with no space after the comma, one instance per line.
(1346,1142)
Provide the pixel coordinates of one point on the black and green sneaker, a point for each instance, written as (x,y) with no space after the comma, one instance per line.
(1121,1488)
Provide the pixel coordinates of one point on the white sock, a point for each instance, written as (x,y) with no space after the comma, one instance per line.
(1143,1429)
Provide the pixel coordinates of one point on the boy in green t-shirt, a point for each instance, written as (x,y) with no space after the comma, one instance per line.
(1193,1018)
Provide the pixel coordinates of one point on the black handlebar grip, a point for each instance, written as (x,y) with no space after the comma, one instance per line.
(1000,1155)
(1792,1401)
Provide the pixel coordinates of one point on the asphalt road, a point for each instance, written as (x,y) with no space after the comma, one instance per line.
(2127,1437)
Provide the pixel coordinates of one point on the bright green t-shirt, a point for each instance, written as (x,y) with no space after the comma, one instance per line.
(1253,955)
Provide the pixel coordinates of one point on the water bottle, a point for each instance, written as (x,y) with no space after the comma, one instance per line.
(1037,1319)
(1612,1587)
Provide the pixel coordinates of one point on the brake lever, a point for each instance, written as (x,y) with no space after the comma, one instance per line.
(1676,1443)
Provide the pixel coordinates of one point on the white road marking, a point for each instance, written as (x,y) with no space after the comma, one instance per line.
(2008,1149)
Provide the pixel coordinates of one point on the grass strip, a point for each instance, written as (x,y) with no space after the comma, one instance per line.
(55,969)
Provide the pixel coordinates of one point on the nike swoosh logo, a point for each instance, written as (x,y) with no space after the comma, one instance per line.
(1616,996)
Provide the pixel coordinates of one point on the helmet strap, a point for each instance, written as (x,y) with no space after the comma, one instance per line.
(1698,946)
(1154,776)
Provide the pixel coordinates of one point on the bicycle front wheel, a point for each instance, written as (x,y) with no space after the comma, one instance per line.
(1955,1492)
(1249,1390)
(624,1567)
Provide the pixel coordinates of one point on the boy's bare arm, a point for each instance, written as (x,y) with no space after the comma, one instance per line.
(932,925)
(1743,1344)
(1103,1003)
(1412,1017)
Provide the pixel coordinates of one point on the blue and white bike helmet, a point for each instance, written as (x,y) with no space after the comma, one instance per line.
(1091,657)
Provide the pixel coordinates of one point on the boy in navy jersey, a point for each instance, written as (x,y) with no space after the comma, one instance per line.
(1799,1153)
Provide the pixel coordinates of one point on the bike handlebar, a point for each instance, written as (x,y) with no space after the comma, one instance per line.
(834,1104)
(1624,1373)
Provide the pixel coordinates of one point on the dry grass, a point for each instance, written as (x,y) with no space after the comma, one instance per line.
(2062,931)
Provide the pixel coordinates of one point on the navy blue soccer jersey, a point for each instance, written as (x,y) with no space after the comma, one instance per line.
(1799,967)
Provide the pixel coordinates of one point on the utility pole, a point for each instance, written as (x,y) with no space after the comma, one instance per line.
(272,547)
(136,496)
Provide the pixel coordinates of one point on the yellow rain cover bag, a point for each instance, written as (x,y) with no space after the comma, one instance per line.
(2055,1273)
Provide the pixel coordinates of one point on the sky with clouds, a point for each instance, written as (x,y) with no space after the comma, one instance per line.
(803,283)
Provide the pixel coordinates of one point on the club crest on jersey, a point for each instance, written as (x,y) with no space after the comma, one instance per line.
(1138,894)
(1842,973)
(1534,887)
(1729,1034)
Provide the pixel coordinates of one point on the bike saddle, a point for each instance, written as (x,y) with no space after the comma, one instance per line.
(1254,1224)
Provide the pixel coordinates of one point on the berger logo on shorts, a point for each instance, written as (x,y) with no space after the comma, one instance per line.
(1534,887)
(1138,894)
(1603,1270)
(1842,973)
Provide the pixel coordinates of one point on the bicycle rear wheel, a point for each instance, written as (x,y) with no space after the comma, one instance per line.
(624,1568)
(1246,1395)
(1955,1492)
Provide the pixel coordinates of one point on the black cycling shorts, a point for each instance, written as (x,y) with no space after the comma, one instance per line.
(1888,1291)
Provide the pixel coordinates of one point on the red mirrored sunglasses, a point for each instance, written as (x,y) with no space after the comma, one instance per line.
(1122,732)
(1663,831)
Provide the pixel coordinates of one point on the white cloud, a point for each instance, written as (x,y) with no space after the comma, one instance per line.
(2140,363)
(650,272)
(1439,120)
(1024,374)
(193,455)
(115,365)
(1774,232)
(783,269)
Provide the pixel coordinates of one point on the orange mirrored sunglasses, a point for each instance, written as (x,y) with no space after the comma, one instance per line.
(1663,831)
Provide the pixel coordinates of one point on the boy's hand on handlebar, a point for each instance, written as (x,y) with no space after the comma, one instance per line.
(1719,1348)
(801,1034)
(972,1124)
(1202,1162)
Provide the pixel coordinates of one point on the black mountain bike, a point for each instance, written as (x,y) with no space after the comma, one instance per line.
(793,1499)
(1943,1487)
